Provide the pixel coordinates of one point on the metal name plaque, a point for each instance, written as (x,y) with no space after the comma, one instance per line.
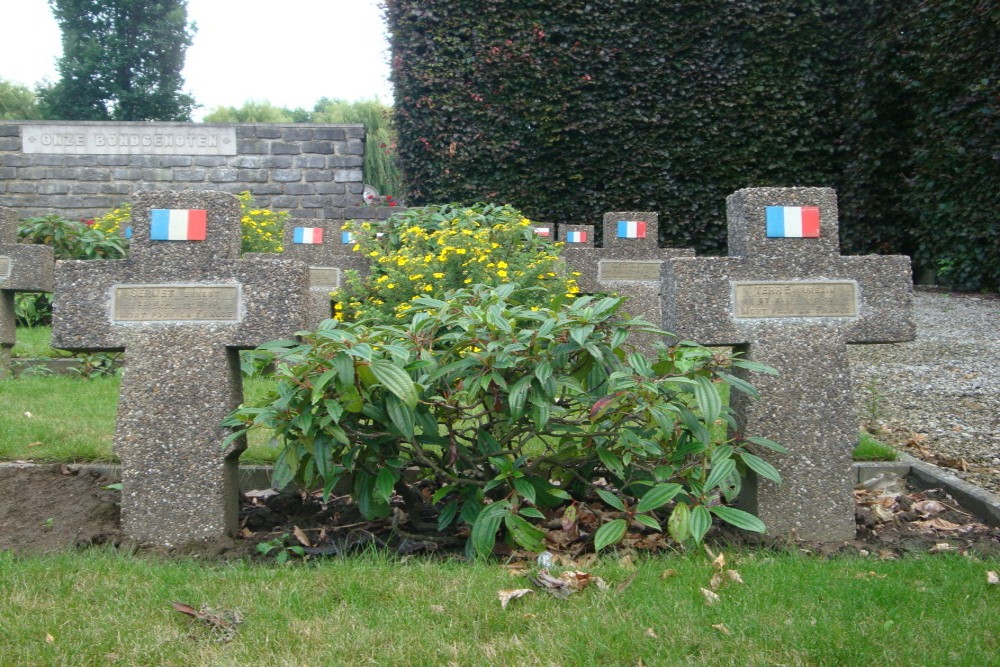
(4,267)
(128,139)
(175,303)
(324,276)
(636,271)
(795,299)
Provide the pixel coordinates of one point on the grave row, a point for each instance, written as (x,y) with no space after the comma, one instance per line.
(184,303)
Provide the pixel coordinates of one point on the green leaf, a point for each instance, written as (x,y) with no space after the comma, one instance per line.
(559,493)
(401,415)
(385,481)
(769,444)
(526,490)
(708,399)
(719,473)
(528,536)
(739,518)
(610,533)
(649,521)
(532,512)
(320,384)
(699,522)
(658,496)
(761,467)
(484,530)
(679,523)
(396,380)
(611,499)
(447,515)
(739,384)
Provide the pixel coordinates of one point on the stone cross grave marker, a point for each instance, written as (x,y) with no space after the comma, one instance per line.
(181,305)
(327,250)
(23,268)
(629,264)
(786,297)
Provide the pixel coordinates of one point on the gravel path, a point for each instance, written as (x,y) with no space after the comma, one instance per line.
(938,397)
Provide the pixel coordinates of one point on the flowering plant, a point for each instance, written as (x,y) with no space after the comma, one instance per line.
(430,250)
(372,199)
(263,229)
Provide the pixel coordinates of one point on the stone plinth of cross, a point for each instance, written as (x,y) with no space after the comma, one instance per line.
(629,264)
(23,268)
(328,252)
(785,297)
(181,305)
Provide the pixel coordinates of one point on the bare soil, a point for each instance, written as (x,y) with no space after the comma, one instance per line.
(52,508)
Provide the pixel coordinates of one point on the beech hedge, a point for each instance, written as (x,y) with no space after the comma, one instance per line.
(568,109)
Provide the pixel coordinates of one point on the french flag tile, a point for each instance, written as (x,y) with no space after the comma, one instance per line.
(631,229)
(307,235)
(347,237)
(576,237)
(792,222)
(178,224)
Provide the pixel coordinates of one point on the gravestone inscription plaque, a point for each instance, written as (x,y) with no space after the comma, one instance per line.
(23,268)
(785,297)
(181,305)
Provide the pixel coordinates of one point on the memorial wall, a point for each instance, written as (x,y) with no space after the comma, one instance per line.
(84,169)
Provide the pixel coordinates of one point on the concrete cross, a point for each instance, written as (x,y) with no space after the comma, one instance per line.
(629,264)
(23,268)
(327,250)
(787,298)
(181,305)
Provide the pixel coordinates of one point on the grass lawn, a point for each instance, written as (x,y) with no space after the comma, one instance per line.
(68,418)
(34,342)
(105,607)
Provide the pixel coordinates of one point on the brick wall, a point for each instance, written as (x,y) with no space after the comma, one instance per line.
(312,171)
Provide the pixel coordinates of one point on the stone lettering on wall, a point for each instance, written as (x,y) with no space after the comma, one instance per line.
(129,139)
(176,303)
(795,299)
(4,267)
(608,269)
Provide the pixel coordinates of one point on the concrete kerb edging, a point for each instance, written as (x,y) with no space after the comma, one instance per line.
(984,504)
(979,501)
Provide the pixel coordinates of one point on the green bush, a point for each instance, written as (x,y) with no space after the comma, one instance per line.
(510,415)
(262,229)
(431,250)
(70,239)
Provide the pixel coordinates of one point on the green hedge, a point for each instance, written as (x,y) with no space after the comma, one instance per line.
(567,110)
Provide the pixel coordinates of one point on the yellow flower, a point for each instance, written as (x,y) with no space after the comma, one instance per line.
(502,273)
(438,275)
(428,288)
(467,281)
(391,286)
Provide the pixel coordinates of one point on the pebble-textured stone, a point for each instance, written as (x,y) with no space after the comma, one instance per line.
(181,378)
(643,295)
(23,268)
(332,253)
(940,391)
(809,407)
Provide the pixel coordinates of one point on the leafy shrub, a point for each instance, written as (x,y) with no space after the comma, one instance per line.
(510,415)
(263,229)
(116,221)
(431,250)
(73,239)
(32,309)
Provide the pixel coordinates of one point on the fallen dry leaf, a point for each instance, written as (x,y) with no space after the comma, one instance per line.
(721,627)
(992,578)
(666,574)
(881,514)
(937,524)
(734,576)
(49,638)
(651,633)
(720,562)
(929,507)
(716,581)
(942,547)
(551,585)
(437,608)
(507,596)
(626,562)
(625,584)
(710,597)
(301,536)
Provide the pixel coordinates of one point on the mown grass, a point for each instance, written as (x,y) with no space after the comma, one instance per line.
(34,342)
(68,418)
(103,606)
(871,449)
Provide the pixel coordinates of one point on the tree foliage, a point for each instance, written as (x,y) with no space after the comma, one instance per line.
(17,102)
(567,110)
(122,60)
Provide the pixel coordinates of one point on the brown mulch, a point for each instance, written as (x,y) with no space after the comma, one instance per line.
(58,507)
